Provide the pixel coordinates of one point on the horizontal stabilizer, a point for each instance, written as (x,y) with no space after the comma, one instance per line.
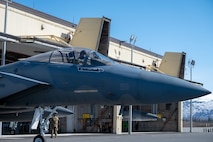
(13,83)
(140,116)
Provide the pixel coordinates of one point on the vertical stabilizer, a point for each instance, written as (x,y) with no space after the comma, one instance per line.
(173,64)
(93,33)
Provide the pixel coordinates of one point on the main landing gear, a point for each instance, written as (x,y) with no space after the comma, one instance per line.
(39,138)
(39,120)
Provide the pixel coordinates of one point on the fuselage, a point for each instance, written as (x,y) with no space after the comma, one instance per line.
(96,83)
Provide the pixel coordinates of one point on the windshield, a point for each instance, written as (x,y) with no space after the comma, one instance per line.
(81,56)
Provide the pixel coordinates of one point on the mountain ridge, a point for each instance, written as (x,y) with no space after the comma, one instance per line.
(202,108)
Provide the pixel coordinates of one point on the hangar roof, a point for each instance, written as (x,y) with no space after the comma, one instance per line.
(41,45)
(135,47)
(40,14)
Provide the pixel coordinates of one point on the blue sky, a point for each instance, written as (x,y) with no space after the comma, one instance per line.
(160,25)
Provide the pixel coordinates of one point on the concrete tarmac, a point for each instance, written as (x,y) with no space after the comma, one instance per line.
(135,137)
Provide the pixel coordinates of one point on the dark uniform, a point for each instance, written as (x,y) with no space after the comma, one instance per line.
(54,125)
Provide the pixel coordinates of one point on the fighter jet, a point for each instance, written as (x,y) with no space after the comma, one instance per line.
(73,76)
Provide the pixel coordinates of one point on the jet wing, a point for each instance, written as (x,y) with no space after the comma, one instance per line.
(11,84)
(26,114)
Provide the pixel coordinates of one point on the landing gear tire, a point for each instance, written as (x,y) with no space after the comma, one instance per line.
(38,138)
(12,132)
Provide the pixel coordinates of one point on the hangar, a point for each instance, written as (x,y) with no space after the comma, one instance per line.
(30,32)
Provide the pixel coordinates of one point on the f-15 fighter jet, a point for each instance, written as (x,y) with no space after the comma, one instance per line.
(73,76)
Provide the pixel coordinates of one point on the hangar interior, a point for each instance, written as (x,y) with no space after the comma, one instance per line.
(30,32)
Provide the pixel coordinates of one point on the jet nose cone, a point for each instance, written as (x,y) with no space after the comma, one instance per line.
(208,92)
(204,92)
(184,90)
(164,89)
(193,90)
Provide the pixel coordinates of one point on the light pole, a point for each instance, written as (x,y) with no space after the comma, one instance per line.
(132,37)
(4,48)
(191,64)
(130,41)
(130,106)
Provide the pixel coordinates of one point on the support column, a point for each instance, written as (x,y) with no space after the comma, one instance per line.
(130,120)
(0,129)
(117,120)
(70,121)
(180,117)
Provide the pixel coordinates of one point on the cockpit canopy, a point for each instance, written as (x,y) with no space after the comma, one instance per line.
(81,56)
